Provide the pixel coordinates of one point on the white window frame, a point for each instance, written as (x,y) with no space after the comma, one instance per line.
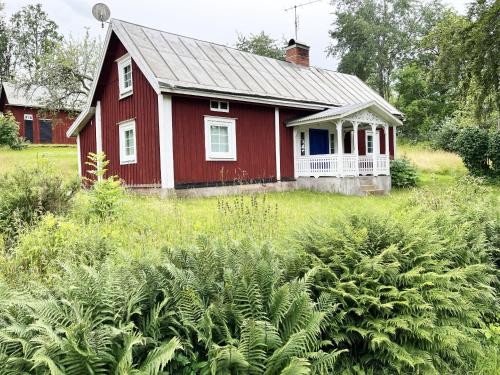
(122,128)
(219,109)
(123,62)
(367,134)
(230,123)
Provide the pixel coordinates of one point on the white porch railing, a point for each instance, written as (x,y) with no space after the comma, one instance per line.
(328,165)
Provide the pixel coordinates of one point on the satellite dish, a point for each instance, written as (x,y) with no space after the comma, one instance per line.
(101,13)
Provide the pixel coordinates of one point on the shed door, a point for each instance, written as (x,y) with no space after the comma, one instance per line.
(45,131)
(318,142)
(28,127)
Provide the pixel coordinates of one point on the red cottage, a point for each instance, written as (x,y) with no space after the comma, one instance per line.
(174,112)
(35,125)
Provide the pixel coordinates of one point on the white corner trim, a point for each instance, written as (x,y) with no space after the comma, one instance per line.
(166,141)
(79,155)
(277,142)
(98,128)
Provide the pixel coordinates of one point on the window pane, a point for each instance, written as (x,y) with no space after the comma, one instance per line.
(219,138)
(224,105)
(129,142)
(214,104)
(127,76)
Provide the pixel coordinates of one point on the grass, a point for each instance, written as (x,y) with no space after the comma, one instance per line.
(62,157)
(431,161)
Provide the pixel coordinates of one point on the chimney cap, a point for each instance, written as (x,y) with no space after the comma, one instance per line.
(295,43)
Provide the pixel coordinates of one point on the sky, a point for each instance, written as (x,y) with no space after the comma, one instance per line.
(216,21)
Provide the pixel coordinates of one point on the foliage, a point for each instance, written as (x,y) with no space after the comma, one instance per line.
(34,36)
(206,310)
(373,38)
(5,64)
(9,132)
(403,173)
(66,73)
(406,303)
(260,44)
(494,151)
(444,137)
(105,193)
(472,146)
(27,194)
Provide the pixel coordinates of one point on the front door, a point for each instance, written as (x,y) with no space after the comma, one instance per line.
(28,127)
(318,142)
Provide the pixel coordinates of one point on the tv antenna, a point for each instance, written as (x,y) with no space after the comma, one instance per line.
(101,13)
(294,8)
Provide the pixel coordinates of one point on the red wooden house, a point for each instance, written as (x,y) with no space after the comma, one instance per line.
(35,124)
(174,112)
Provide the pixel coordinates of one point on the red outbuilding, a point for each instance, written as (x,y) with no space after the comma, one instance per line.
(174,112)
(36,125)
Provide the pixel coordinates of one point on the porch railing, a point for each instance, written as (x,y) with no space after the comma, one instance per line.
(351,165)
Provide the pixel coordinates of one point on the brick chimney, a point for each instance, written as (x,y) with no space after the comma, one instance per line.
(297,53)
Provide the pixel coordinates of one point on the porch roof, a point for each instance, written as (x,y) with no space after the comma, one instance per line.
(344,112)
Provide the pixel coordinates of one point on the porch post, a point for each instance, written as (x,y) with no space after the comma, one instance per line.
(340,148)
(394,140)
(387,150)
(375,148)
(356,151)
(295,153)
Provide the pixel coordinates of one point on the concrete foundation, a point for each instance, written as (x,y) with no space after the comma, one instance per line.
(362,185)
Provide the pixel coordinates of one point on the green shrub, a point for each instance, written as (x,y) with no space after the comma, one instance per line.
(9,132)
(28,193)
(205,310)
(105,193)
(403,174)
(444,137)
(472,146)
(494,151)
(406,302)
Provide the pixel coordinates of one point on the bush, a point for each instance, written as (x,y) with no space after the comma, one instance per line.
(494,151)
(406,303)
(444,137)
(9,132)
(472,146)
(403,174)
(27,194)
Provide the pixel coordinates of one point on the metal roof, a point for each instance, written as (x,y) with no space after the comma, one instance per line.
(179,62)
(20,98)
(341,112)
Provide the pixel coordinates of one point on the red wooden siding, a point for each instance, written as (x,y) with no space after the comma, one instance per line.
(142,106)
(362,141)
(286,140)
(87,144)
(60,124)
(255,143)
(391,141)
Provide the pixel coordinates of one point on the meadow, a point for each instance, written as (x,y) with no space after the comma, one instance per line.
(282,283)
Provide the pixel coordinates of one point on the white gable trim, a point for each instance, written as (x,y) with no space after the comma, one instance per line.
(136,57)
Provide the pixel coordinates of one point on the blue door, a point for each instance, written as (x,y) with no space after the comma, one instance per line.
(318,142)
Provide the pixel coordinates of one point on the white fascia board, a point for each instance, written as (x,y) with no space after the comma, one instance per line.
(81,120)
(243,98)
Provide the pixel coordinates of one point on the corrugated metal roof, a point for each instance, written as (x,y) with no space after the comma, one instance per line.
(180,62)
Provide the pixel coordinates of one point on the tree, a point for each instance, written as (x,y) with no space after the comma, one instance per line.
(5,63)
(373,38)
(67,73)
(35,36)
(260,44)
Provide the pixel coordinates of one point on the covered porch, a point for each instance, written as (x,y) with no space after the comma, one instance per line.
(349,141)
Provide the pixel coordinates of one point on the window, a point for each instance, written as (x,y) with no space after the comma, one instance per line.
(128,152)
(370,142)
(125,75)
(302,143)
(332,143)
(218,106)
(220,138)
